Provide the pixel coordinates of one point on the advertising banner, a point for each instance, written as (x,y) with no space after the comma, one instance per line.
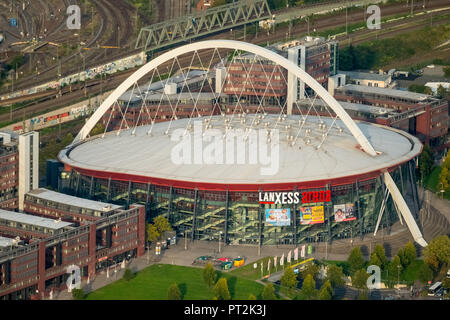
(311,215)
(344,212)
(278,217)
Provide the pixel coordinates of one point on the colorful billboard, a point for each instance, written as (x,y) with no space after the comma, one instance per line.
(278,217)
(311,215)
(344,212)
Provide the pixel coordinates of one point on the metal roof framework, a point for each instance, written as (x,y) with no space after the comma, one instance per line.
(237,46)
(212,20)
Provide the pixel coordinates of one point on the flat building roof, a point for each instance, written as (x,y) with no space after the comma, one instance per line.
(151,155)
(33,220)
(6,242)
(54,196)
(388,92)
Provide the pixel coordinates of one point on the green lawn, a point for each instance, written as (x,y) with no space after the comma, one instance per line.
(410,274)
(249,272)
(152,284)
(407,276)
(432,182)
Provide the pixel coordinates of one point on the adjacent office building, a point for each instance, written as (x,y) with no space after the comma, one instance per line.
(28,164)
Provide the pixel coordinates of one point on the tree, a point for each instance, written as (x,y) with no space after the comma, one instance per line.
(407,255)
(67,139)
(437,253)
(403,258)
(374,260)
(309,291)
(289,279)
(420,89)
(174,293)
(326,292)
(447,72)
(444,178)
(355,260)
(380,252)
(410,252)
(311,269)
(209,275)
(98,129)
(446,283)
(251,297)
(394,268)
(425,162)
(335,275)
(359,279)
(221,290)
(128,275)
(17,62)
(441,92)
(425,274)
(162,224)
(152,233)
(78,294)
(268,292)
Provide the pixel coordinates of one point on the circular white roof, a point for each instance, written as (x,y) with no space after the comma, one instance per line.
(161,155)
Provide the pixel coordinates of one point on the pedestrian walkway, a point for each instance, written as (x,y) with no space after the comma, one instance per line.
(184,253)
(429,198)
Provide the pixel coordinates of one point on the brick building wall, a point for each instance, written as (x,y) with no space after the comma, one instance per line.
(40,266)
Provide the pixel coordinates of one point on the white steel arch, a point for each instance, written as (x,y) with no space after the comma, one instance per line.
(236,45)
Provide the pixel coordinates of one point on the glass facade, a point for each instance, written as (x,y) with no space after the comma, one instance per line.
(239,218)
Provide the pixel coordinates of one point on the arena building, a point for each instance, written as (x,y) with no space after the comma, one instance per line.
(252,178)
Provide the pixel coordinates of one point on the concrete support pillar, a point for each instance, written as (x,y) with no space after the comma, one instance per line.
(108,192)
(358,207)
(91,186)
(194,218)
(227,205)
(169,207)
(129,193)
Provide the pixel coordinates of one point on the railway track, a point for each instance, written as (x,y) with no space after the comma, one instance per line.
(301,28)
(116,14)
(393,29)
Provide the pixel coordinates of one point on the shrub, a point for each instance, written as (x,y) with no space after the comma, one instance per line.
(174,293)
(268,292)
(128,275)
(221,290)
(78,294)
(209,275)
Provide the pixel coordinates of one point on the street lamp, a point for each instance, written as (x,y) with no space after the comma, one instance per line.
(398,277)
(220,237)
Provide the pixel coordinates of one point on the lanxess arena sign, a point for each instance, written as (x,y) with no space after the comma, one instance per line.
(294,197)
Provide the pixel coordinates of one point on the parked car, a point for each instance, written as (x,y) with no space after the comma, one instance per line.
(439,293)
(202,260)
